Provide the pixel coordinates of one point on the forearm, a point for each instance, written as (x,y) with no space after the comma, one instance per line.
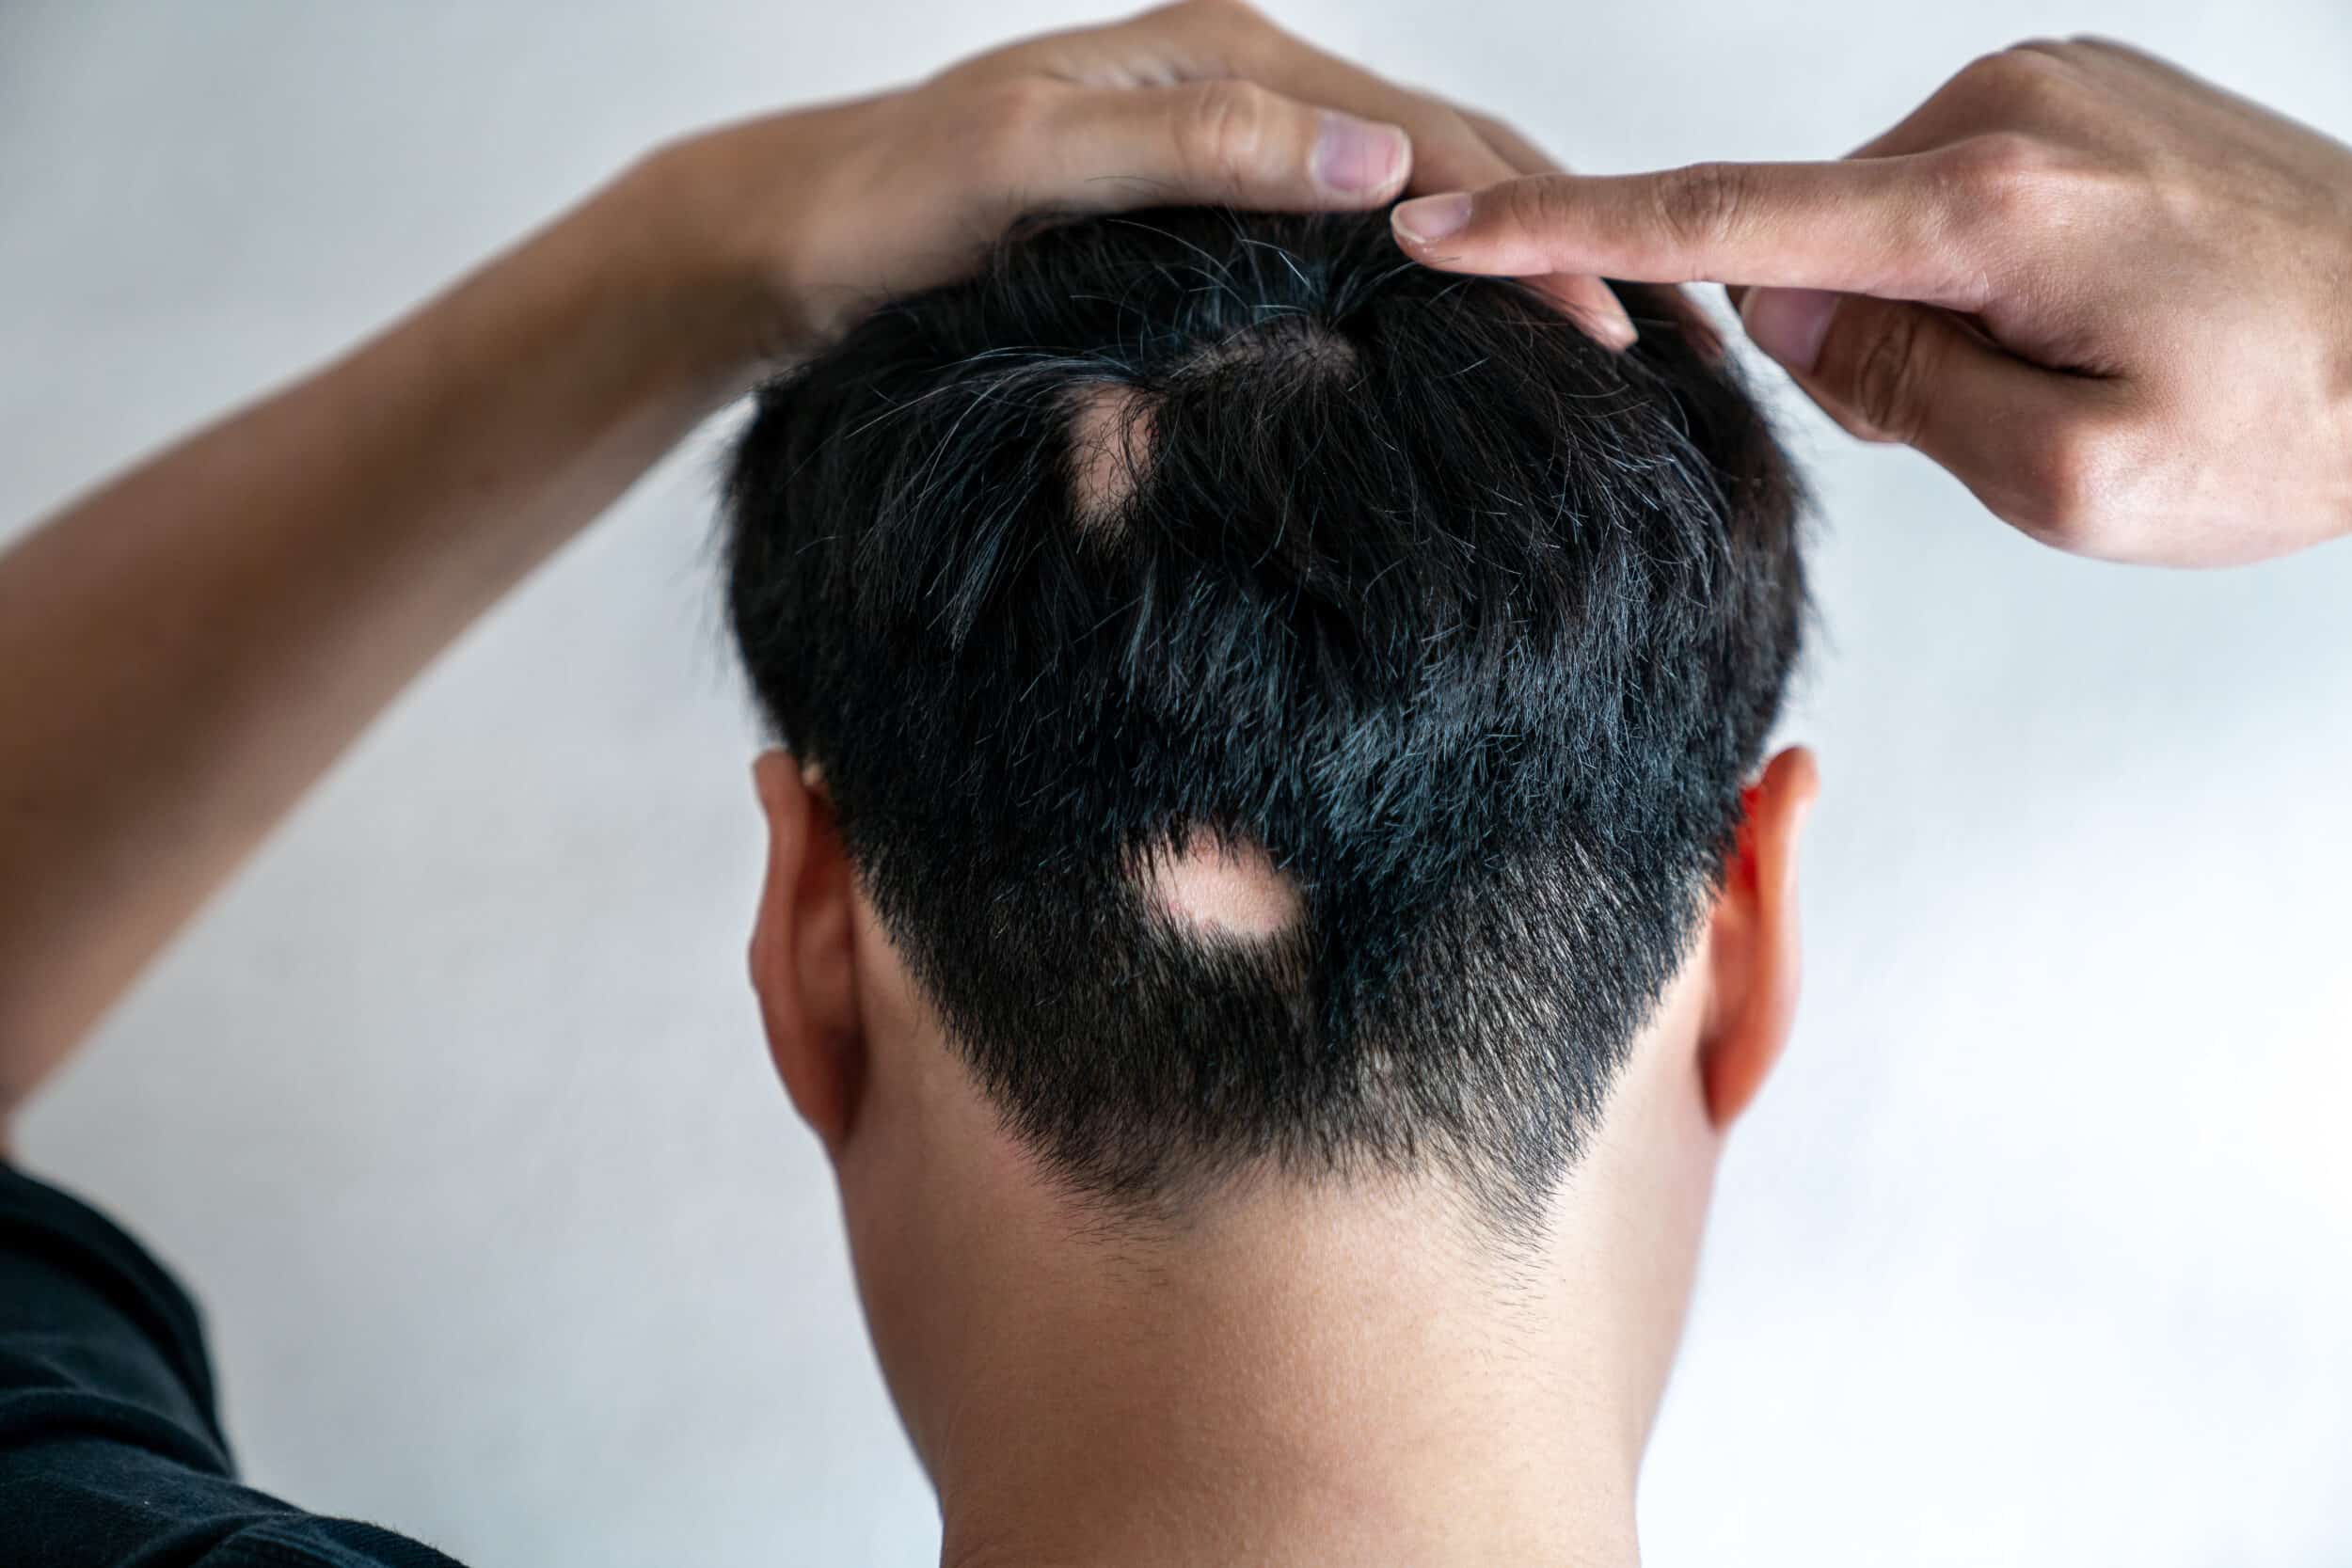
(184,652)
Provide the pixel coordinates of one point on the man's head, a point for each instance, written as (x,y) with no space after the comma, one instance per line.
(1265,717)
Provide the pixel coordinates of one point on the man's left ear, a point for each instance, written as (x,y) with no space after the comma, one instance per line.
(1752,943)
(803,954)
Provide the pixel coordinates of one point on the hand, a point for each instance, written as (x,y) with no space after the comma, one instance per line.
(2111,298)
(831,209)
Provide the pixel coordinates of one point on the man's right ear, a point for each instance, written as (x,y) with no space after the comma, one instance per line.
(803,958)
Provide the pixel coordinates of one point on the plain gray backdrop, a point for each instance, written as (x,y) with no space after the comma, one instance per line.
(454,1111)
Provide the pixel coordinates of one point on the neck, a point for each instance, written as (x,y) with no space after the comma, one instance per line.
(1317,1377)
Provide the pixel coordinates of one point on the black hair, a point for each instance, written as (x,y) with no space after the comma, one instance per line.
(1193,522)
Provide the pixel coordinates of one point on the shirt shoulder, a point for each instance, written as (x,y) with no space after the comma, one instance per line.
(111,1448)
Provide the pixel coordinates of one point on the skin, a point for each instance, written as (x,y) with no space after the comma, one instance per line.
(2114,300)
(186,650)
(1303,1373)
(1389,1389)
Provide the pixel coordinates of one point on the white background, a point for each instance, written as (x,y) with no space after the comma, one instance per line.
(455,1110)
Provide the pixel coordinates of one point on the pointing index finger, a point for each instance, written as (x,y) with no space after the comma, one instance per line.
(1874,226)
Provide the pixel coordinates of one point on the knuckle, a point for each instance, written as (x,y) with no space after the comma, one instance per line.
(1004,123)
(1223,131)
(1979,77)
(1890,376)
(1535,204)
(2043,48)
(2071,482)
(2008,179)
(1697,206)
(2026,77)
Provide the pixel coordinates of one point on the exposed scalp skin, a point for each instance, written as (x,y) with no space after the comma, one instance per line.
(1475,626)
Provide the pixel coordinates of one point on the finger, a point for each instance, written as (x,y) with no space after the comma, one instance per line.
(1931,125)
(1226,142)
(1590,299)
(1593,303)
(1889,371)
(1879,226)
(1202,43)
(1206,43)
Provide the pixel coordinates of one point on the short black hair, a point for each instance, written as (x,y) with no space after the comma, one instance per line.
(1475,627)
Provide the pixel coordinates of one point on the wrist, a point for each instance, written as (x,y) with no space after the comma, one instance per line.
(673,225)
(728,211)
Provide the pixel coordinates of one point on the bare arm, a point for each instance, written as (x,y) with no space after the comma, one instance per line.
(184,651)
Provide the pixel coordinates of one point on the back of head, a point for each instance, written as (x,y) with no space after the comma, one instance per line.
(1193,550)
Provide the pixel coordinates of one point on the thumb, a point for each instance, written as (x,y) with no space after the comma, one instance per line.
(1889,370)
(1227,141)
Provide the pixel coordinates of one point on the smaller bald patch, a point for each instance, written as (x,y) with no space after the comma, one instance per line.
(1290,346)
(1219,887)
(1110,443)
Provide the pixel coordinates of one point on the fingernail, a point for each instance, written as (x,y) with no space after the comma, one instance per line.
(1614,333)
(1353,156)
(1432,217)
(1789,323)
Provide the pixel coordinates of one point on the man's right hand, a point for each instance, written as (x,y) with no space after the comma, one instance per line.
(2113,299)
(829,211)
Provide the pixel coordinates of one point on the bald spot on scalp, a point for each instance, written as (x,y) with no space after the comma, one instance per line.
(1212,885)
(1110,421)
(1220,887)
(1111,442)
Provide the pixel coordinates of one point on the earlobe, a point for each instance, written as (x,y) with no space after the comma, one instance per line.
(1753,942)
(802,960)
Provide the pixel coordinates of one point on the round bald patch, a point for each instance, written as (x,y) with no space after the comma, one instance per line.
(1222,887)
(1110,441)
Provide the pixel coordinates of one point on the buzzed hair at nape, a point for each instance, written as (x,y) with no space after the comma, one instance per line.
(1195,527)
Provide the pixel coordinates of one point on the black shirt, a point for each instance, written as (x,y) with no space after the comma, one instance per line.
(111,1452)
